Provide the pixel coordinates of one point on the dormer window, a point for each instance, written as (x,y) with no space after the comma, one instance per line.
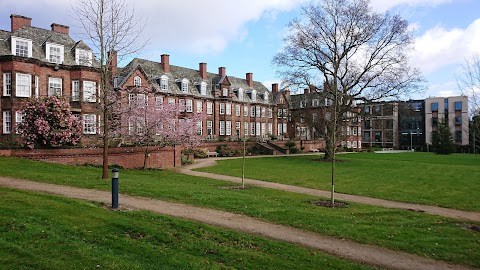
(83,57)
(203,88)
(21,47)
(54,53)
(265,96)
(240,94)
(254,95)
(184,85)
(225,92)
(164,83)
(137,81)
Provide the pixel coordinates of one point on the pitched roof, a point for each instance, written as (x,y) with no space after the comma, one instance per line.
(39,38)
(154,71)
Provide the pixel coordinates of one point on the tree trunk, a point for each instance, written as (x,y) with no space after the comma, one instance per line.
(145,157)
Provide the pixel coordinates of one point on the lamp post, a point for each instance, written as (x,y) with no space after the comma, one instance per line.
(114,188)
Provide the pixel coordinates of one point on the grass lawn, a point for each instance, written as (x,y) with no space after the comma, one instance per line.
(451,181)
(417,233)
(47,232)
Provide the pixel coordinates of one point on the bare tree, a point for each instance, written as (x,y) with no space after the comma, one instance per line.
(110,26)
(469,84)
(351,53)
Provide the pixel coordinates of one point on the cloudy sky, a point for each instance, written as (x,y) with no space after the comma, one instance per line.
(244,35)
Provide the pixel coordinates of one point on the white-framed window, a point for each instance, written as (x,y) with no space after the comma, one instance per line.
(19,117)
(315,103)
(354,132)
(7,122)
(184,86)
(89,91)
(245,110)
(37,91)
(237,110)
(21,47)
(264,128)
(182,104)
(228,109)
(258,129)
(222,128)
(75,90)
(24,85)
(83,57)
(279,129)
(225,92)
(141,100)
(222,108)
(302,104)
(115,82)
(314,117)
(240,94)
(209,107)
(270,113)
(171,100)
(137,81)
(254,95)
(54,53)
(200,127)
(354,144)
(264,112)
(54,87)
(349,144)
(158,102)
(359,144)
(245,128)
(258,109)
(228,129)
(265,97)
(89,124)
(252,111)
(199,106)
(348,131)
(164,83)
(284,128)
(328,116)
(252,128)
(237,127)
(328,102)
(203,88)
(7,84)
(270,128)
(189,105)
(209,128)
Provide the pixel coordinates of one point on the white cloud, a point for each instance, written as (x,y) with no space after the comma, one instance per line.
(383,5)
(439,47)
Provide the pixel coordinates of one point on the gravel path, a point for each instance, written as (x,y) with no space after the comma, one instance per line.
(368,254)
(435,210)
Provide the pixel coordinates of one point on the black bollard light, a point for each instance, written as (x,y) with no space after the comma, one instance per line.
(114,188)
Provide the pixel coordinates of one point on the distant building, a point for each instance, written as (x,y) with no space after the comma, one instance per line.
(380,125)
(455,109)
(411,121)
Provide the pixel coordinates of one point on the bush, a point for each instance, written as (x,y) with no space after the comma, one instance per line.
(292,146)
(227,151)
(197,152)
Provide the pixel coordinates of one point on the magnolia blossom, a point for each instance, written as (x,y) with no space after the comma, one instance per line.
(48,122)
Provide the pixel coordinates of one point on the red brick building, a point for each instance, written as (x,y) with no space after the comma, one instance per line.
(37,62)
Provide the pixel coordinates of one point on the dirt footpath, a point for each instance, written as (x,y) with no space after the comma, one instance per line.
(435,210)
(367,254)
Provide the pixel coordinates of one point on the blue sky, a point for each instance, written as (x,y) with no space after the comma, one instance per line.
(244,35)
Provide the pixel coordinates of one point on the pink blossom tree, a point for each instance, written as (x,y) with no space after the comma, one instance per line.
(48,122)
(152,124)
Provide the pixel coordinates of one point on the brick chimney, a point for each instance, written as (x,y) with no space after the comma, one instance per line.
(274,88)
(113,63)
(165,63)
(63,29)
(203,70)
(249,78)
(306,91)
(222,71)
(19,21)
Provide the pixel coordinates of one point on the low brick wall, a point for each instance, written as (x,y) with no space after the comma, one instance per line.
(316,144)
(127,157)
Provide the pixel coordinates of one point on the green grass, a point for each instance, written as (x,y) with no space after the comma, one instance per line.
(451,181)
(422,234)
(47,232)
